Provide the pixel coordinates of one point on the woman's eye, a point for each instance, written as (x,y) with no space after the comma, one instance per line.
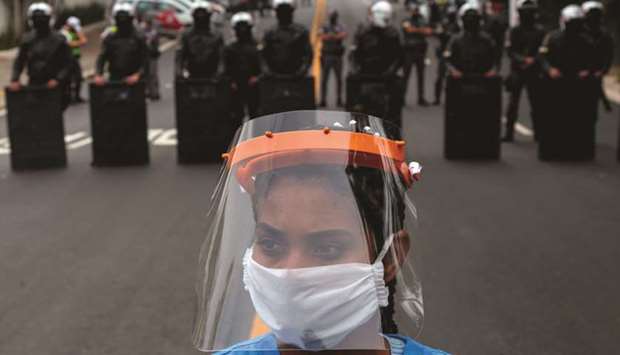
(270,246)
(329,251)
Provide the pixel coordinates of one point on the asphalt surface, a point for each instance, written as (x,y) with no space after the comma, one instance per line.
(516,257)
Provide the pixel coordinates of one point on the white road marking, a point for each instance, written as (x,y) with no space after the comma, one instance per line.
(153,133)
(80,143)
(5,146)
(75,136)
(168,138)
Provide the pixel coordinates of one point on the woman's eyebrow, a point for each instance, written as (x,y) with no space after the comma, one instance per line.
(269,229)
(326,233)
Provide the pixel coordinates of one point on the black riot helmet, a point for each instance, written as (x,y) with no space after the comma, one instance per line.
(470,16)
(333,17)
(593,11)
(528,12)
(242,23)
(284,11)
(201,13)
(40,17)
(123,14)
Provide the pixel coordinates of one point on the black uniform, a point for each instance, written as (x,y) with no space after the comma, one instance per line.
(570,53)
(524,42)
(496,27)
(449,29)
(331,59)
(378,51)
(415,46)
(45,57)
(242,61)
(126,53)
(602,56)
(201,54)
(287,50)
(471,53)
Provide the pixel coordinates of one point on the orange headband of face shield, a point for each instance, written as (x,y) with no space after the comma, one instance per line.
(321,147)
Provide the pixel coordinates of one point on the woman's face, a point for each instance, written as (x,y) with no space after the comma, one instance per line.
(306,225)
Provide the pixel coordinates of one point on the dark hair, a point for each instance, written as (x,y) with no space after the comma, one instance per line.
(382,210)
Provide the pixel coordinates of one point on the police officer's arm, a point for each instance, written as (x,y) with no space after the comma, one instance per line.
(103,57)
(143,72)
(307,54)
(513,53)
(399,56)
(354,54)
(20,62)
(65,58)
(451,55)
(608,53)
(179,58)
(488,67)
(265,53)
(545,56)
(221,70)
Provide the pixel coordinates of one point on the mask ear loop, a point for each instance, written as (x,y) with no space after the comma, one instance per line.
(386,248)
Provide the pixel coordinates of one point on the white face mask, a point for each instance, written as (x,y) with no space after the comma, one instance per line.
(315,308)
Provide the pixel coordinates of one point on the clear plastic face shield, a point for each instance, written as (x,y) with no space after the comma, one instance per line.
(310,241)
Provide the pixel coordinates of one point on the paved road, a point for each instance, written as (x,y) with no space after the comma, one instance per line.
(516,256)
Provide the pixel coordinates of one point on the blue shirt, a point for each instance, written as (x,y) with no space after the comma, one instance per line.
(267,345)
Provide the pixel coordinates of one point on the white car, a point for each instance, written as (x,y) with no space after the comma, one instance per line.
(180,9)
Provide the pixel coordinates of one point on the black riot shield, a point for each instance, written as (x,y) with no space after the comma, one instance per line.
(119,124)
(205,125)
(376,96)
(36,129)
(473,118)
(567,119)
(281,94)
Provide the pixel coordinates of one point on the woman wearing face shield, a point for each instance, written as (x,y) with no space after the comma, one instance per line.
(310,246)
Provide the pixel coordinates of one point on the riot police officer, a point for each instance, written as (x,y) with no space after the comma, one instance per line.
(472,52)
(332,35)
(378,53)
(496,26)
(243,66)
(377,48)
(44,53)
(523,45)
(124,49)
(567,52)
(415,30)
(286,46)
(447,30)
(602,41)
(201,49)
